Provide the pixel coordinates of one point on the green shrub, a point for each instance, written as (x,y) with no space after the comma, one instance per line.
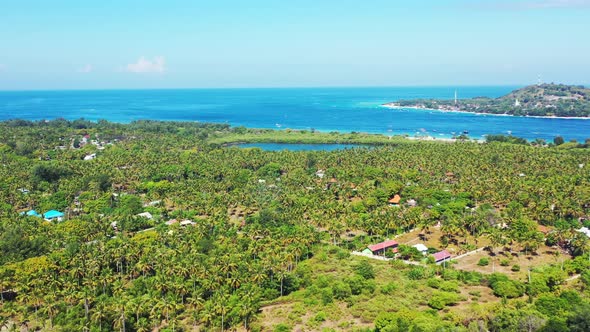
(496,277)
(282,328)
(471,277)
(509,289)
(515,268)
(451,274)
(434,283)
(342,254)
(322,281)
(484,261)
(356,284)
(441,299)
(365,270)
(370,286)
(389,288)
(417,273)
(551,305)
(450,286)
(320,317)
(538,285)
(341,290)
(327,295)
(505,262)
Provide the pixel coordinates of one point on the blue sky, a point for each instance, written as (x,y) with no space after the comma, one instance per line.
(67,44)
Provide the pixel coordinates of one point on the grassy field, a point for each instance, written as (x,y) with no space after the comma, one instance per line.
(501,261)
(318,308)
(323,305)
(303,136)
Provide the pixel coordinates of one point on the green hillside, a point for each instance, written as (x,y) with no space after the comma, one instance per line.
(535,100)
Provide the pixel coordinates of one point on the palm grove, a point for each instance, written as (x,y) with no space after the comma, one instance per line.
(260,220)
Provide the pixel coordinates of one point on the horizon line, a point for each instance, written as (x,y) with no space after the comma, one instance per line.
(287,87)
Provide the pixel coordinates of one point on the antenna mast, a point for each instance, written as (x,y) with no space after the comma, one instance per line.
(455,96)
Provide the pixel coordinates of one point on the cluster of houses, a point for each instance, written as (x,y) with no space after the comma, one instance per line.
(85,140)
(51,215)
(380,249)
(147,215)
(96,142)
(396,200)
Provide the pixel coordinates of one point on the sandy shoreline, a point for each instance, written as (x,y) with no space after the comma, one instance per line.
(441,139)
(476,113)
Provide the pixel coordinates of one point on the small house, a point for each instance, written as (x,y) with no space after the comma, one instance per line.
(441,256)
(90,156)
(152,203)
(146,215)
(52,215)
(584,230)
(394,201)
(171,222)
(421,248)
(331,182)
(367,251)
(31,213)
(380,248)
(187,223)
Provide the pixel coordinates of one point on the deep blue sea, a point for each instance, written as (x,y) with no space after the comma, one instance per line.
(324,109)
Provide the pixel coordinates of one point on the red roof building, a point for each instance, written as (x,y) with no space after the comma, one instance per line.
(379,247)
(441,256)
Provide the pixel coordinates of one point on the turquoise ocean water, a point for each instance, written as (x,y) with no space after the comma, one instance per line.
(324,109)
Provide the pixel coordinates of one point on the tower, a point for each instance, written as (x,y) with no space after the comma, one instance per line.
(455,96)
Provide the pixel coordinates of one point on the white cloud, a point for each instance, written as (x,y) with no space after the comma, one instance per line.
(86,69)
(143,65)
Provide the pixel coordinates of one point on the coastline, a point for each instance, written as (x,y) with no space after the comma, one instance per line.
(479,113)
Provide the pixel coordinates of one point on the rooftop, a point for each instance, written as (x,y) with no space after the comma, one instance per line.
(421,247)
(441,255)
(383,245)
(53,214)
(395,199)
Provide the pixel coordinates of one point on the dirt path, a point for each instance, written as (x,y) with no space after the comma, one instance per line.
(381,258)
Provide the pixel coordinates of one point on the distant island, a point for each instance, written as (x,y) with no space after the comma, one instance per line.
(546,100)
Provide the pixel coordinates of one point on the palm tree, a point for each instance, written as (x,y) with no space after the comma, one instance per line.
(98,316)
(496,237)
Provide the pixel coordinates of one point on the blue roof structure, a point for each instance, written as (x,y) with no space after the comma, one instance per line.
(51,214)
(31,213)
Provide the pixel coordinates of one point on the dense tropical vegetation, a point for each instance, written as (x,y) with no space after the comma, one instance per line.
(534,100)
(275,229)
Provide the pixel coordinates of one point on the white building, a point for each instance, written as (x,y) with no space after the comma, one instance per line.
(146,215)
(421,248)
